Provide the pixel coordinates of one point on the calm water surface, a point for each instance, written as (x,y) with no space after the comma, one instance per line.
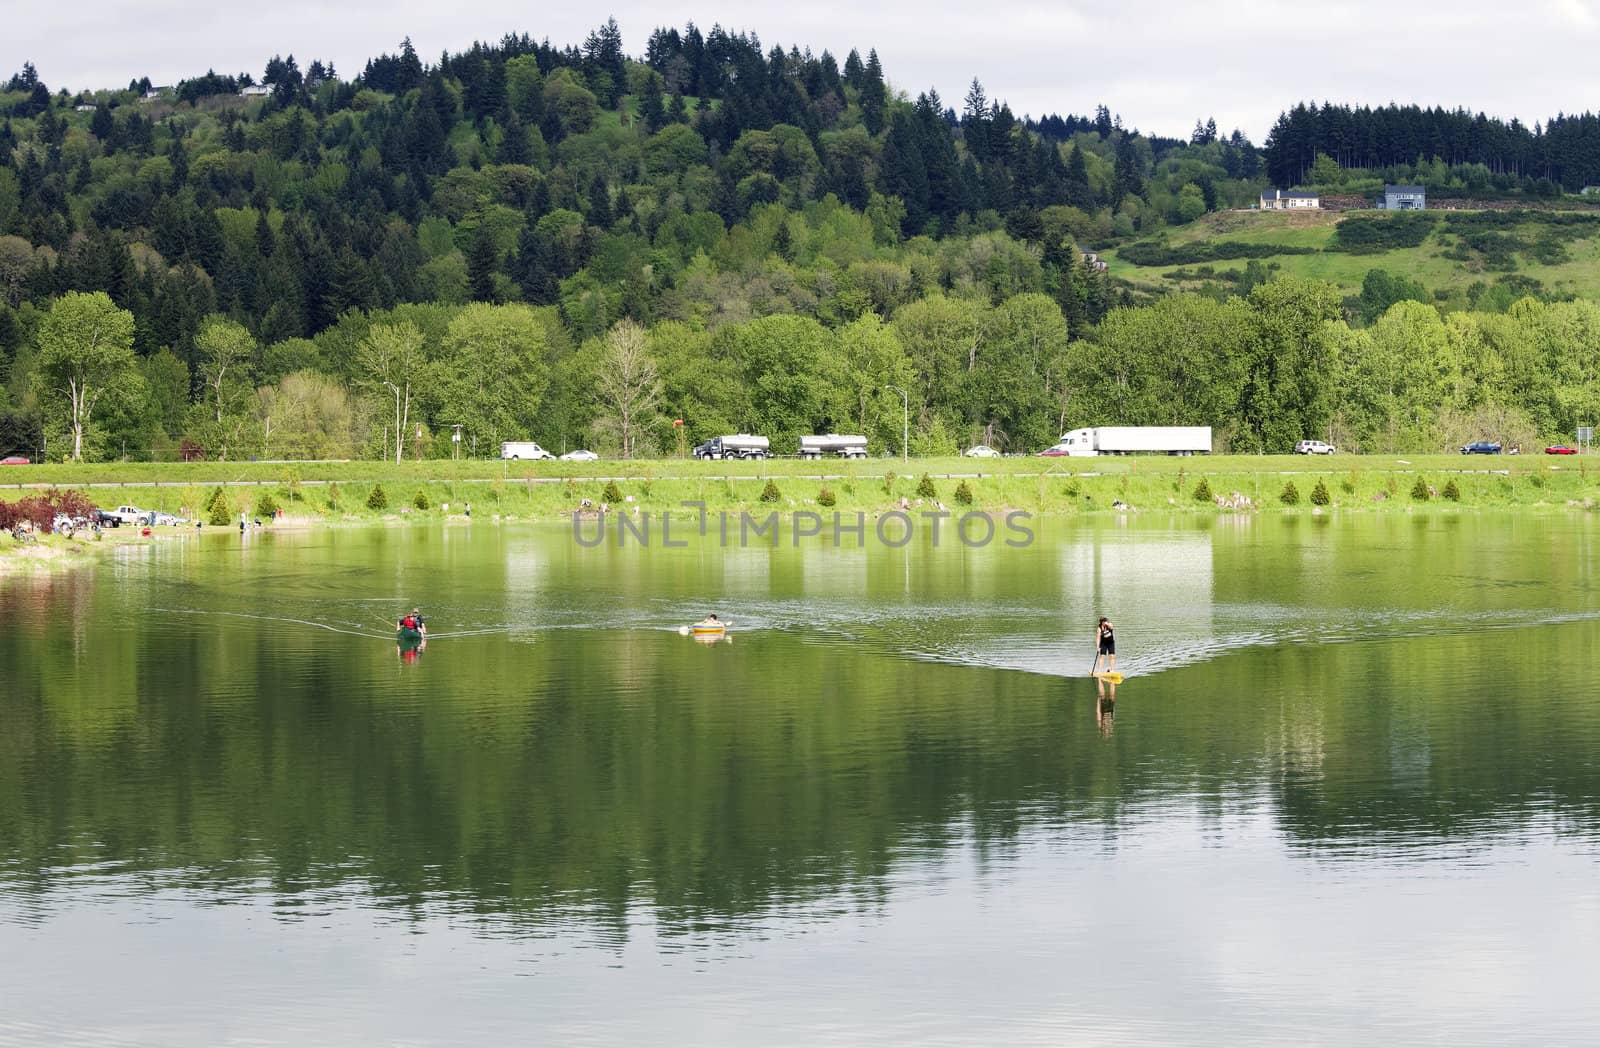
(1350,792)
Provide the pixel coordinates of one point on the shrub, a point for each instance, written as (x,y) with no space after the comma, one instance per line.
(888,482)
(1072,490)
(1290,495)
(1349,484)
(611,493)
(266,505)
(379,499)
(1537,480)
(219,512)
(333,495)
(825,498)
(41,510)
(1202,491)
(925,488)
(963,494)
(1319,494)
(1451,490)
(420,499)
(1419,490)
(291,485)
(770,493)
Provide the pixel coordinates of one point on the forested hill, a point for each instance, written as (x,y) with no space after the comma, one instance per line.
(791,237)
(1562,154)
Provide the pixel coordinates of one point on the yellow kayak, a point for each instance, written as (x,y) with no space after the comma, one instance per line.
(701,631)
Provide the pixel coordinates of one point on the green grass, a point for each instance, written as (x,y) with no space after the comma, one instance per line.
(1579,275)
(1042,486)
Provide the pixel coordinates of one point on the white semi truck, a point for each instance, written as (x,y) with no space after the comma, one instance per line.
(1129,440)
(845,446)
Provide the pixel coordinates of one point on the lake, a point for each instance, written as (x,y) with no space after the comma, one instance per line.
(1348,793)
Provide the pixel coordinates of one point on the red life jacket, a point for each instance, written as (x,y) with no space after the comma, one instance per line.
(409,623)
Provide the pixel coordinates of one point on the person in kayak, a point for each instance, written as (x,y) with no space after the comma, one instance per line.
(413,621)
(1105,646)
(710,622)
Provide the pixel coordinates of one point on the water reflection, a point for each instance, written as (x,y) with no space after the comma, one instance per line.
(563,766)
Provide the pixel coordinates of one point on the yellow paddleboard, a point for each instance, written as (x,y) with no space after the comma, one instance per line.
(1109,678)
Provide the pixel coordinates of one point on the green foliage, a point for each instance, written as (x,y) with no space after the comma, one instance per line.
(420,500)
(219,510)
(925,488)
(378,499)
(1319,494)
(825,497)
(266,505)
(963,495)
(1370,235)
(333,494)
(1420,490)
(1290,495)
(1202,491)
(1451,490)
(611,493)
(1149,253)
(770,493)
(1073,489)
(888,482)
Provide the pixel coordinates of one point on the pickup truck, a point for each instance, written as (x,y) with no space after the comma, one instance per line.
(127,515)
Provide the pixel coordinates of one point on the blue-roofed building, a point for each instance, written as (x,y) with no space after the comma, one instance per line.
(1404,198)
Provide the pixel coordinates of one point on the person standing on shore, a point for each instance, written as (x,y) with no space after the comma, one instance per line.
(1105,638)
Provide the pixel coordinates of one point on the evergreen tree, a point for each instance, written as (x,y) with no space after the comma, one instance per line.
(874,94)
(483,258)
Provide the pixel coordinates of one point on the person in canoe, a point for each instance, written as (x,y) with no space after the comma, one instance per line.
(1105,636)
(709,624)
(413,625)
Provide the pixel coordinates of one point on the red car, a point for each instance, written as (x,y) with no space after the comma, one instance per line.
(1059,449)
(1560,449)
(14,460)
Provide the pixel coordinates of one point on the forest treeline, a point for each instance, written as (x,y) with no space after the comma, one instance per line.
(579,246)
(1477,152)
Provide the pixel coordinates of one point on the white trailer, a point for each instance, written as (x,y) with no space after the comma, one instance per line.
(845,446)
(1128,440)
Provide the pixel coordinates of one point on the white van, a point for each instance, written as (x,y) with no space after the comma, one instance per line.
(523,449)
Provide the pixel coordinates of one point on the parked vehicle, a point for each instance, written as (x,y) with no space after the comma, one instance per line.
(131,515)
(580,455)
(981,451)
(523,449)
(14,460)
(843,446)
(1057,450)
(1128,440)
(1481,447)
(1560,449)
(734,446)
(1314,447)
(107,519)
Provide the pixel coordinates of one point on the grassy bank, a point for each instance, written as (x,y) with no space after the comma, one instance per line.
(418,491)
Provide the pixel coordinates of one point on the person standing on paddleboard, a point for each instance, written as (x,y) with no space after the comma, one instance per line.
(1105,646)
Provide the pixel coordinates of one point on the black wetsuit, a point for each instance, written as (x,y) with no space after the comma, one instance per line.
(1108,640)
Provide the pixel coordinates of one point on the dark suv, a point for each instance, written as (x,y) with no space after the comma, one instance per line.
(1481,447)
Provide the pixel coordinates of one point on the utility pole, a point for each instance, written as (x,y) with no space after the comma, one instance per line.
(905,423)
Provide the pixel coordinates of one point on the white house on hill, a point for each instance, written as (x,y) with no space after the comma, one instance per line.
(1283,200)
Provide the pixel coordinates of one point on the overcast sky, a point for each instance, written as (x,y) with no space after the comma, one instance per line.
(1159,63)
